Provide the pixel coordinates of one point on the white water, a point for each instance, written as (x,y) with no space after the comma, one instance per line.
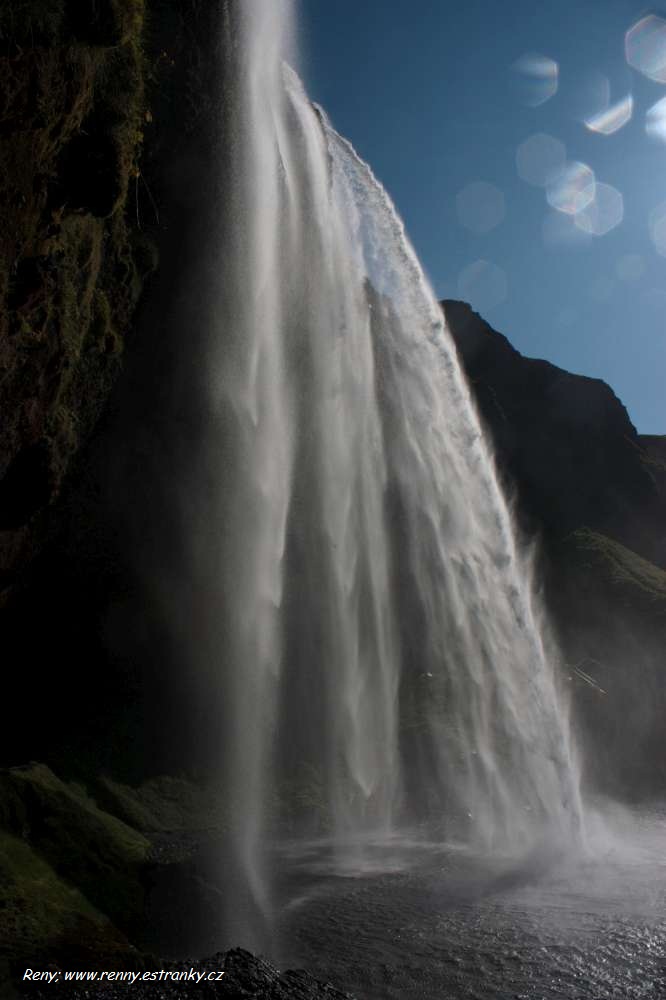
(385,657)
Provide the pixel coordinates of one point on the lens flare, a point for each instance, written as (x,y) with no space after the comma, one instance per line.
(572,189)
(560,230)
(540,158)
(480,207)
(537,78)
(592,94)
(483,284)
(655,120)
(613,118)
(603,213)
(645,47)
(657,224)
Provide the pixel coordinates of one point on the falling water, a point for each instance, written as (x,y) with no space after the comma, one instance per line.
(384,657)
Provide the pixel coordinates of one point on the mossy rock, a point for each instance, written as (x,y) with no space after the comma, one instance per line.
(96,852)
(162,805)
(105,22)
(607,567)
(32,22)
(45,920)
(72,114)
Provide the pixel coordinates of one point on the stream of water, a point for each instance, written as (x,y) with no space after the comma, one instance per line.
(386,661)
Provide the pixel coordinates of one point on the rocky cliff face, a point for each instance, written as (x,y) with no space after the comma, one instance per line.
(101,117)
(110,113)
(593,492)
(564,441)
(72,254)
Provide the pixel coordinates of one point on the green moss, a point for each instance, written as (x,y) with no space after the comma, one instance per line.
(41,915)
(32,21)
(92,850)
(640,584)
(36,784)
(145,255)
(164,804)
(101,330)
(72,109)
(105,22)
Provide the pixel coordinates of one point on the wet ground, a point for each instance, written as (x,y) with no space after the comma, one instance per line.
(432,921)
(408,919)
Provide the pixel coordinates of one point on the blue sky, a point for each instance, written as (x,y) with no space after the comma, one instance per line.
(430,95)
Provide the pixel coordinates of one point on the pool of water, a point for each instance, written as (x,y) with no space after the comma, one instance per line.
(407,919)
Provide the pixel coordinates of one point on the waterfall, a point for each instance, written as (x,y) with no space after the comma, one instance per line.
(383,657)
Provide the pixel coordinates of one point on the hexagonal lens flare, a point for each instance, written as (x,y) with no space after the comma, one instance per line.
(645,47)
(537,78)
(572,189)
(658,228)
(655,121)
(603,213)
(540,158)
(560,230)
(480,206)
(613,118)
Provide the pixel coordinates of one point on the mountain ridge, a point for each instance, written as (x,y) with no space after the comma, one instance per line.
(592,492)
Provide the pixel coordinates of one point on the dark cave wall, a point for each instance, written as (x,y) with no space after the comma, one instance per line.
(111,116)
(105,118)
(72,258)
